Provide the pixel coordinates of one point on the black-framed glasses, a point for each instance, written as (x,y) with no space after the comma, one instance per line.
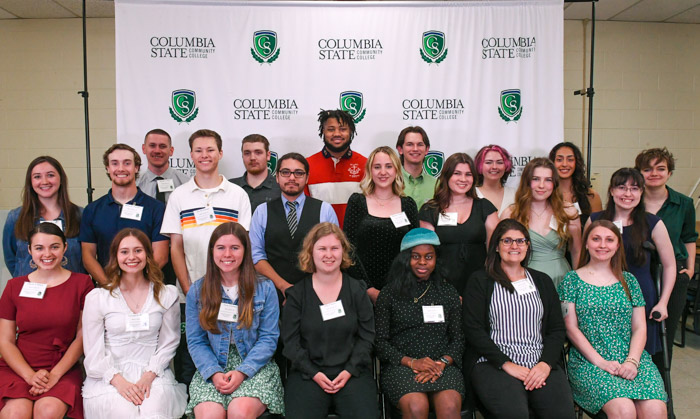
(509,241)
(297,173)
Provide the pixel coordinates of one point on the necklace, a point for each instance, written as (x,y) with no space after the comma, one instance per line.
(129,301)
(539,215)
(415,300)
(379,200)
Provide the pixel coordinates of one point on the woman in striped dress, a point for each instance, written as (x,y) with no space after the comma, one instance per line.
(515,332)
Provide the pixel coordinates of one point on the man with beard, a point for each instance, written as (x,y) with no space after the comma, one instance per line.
(336,171)
(123,206)
(413,145)
(257,181)
(278,227)
(159,179)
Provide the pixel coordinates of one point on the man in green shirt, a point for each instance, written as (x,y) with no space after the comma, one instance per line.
(413,144)
(678,214)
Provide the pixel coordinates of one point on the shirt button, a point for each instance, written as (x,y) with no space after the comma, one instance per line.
(206,195)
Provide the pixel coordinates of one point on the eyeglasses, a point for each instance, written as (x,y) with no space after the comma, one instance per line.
(625,189)
(297,173)
(509,241)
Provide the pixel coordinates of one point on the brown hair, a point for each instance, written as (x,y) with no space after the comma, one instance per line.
(367,183)
(441,199)
(206,133)
(646,157)
(158,131)
(121,146)
(255,138)
(30,211)
(306,259)
(523,199)
(151,271)
(493,257)
(210,296)
(618,264)
(415,130)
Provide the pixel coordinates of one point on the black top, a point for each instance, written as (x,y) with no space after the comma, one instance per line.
(462,247)
(313,344)
(283,250)
(475,311)
(402,331)
(265,192)
(375,239)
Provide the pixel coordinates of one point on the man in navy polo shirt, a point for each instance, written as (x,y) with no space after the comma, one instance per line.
(123,206)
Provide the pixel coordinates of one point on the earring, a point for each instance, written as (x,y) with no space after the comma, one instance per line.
(32,264)
(64,261)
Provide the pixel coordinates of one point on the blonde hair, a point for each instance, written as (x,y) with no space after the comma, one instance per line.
(306,258)
(367,184)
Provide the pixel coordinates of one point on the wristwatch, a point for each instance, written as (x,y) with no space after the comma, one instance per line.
(444,360)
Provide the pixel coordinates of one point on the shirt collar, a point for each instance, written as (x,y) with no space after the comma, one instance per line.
(136,198)
(269,181)
(221,187)
(300,200)
(673,196)
(410,176)
(327,154)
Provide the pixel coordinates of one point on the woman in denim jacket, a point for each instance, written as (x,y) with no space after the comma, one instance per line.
(232,332)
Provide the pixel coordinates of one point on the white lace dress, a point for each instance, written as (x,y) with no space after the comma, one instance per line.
(110,349)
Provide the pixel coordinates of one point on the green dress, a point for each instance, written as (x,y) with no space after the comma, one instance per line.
(547,256)
(605,319)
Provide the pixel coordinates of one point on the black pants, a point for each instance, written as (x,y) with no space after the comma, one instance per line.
(676,305)
(505,397)
(184,367)
(304,399)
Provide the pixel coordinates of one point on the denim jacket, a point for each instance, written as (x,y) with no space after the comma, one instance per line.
(16,251)
(256,345)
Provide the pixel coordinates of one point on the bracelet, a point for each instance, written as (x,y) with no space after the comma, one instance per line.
(412,359)
(633,362)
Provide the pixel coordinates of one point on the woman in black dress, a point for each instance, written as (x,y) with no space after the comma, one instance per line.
(462,221)
(419,332)
(377,219)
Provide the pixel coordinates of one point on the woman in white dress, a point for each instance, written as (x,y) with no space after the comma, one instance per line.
(131,329)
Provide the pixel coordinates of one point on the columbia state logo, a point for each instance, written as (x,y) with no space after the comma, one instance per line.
(184,107)
(433,47)
(432,164)
(510,108)
(352,103)
(272,163)
(265,48)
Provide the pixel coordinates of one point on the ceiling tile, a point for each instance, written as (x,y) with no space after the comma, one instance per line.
(95,8)
(654,10)
(35,9)
(4,14)
(689,16)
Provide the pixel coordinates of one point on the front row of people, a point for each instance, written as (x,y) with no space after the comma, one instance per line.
(504,340)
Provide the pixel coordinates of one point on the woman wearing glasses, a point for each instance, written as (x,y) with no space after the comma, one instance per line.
(515,332)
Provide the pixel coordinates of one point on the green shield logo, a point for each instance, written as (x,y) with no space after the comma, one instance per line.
(272,163)
(184,105)
(265,46)
(432,164)
(433,47)
(510,108)
(352,103)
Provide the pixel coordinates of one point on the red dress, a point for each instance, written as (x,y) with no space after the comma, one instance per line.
(45,330)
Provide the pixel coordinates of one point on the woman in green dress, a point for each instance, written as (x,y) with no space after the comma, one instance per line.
(605,322)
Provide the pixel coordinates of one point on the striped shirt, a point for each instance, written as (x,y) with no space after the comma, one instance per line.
(516,324)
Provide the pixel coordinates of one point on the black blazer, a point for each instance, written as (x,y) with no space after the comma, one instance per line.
(477,329)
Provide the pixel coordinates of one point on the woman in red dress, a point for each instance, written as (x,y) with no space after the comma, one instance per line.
(40,337)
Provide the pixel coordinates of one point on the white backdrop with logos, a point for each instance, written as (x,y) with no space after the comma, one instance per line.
(470,73)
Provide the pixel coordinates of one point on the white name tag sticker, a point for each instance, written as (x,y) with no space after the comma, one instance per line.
(433,314)
(137,322)
(132,212)
(332,310)
(553,223)
(618,224)
(447,219)
(228,313)
(33,290)
(166,185)
(578,208)
(400,219)
(57,223)
(523,286)
(204,215)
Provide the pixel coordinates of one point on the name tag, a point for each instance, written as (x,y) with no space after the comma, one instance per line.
(523,286)
(132,212)
(228,313)
(578,208)
(137,322)
(618,224)
(166,185)
(400,219)
(553,223)
(204,215)
(332,310)
(433,314)
(33,290)
(447,219)
(57,223)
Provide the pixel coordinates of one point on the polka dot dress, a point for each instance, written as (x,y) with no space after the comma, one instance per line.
(401,331)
